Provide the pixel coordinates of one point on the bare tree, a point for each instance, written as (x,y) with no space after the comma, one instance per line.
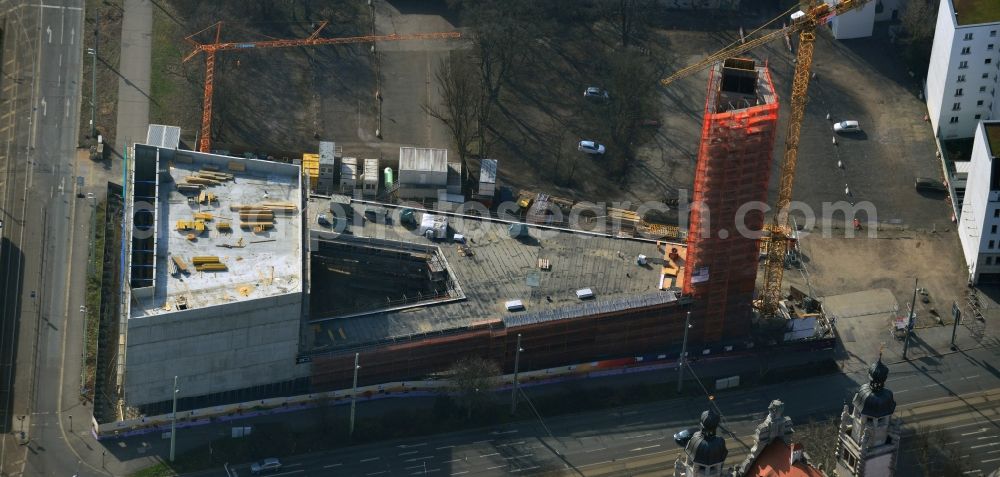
(473,380)
(633,87)
(460,93)
(629,17)
(819,438)
(918,20)
(504,33)
(934,455)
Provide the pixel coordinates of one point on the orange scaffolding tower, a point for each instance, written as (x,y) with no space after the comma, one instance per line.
(733,170)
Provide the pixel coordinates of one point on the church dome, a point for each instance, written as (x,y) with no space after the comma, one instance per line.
(705,447)
(873,399)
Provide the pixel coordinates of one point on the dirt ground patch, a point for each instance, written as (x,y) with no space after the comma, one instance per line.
(264,100)
(104,18)
(891,260)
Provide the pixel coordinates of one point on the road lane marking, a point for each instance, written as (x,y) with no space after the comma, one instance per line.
(370,459)
(45,107)
(419,458)
(595,450)
(495,467)
(413,467)
(453,460)
(991,444)
(510,444)
(407,446)
(500,433)
(332,465)
(490,455)
(483,442)
(460,473)
(637,449)
(401,454)
(519,456)
(444,447)
(378,473)
(426,471)
(980,431)
(48,32)
(288,473)
(636,437)
(522,469)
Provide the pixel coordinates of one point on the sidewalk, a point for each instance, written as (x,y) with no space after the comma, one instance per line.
(134,84)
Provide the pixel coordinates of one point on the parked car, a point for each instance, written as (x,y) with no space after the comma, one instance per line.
(682,437)
(590,147)
(930,185)
(847,127)
(595,92)
(270,464)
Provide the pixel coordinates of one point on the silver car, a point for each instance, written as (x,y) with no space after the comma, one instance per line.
(590,147)
(270,464)
(595,92)
(847,127)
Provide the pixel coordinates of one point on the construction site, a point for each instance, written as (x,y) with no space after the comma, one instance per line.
(252,278)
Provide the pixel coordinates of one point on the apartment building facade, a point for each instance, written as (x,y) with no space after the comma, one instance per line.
(964,65)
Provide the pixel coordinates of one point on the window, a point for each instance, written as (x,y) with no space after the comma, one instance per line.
(953,120)
(958,92)
(993,33)
(961,78)
(967,37)
(996,213)
(979,116)
(993,229)
(979,103)
(982,89)
(989,47)
(966,50)
(992,245)
(956,107)
(989,60)
(963,65)
(986,75)
(989,260)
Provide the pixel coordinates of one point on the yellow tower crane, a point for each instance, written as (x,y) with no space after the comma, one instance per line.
(803,22)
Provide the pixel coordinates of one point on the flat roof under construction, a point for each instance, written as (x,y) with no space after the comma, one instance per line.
(491,268)
(258,255)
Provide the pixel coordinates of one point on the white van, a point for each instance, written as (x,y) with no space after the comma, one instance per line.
(514,305)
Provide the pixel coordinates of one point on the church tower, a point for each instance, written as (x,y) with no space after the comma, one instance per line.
(868,440)
(705,453)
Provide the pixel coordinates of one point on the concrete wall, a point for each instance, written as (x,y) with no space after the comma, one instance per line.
(213,349)
(854,24)
(978,210)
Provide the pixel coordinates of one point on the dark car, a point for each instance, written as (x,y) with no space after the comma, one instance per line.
(682,437)
(930,185)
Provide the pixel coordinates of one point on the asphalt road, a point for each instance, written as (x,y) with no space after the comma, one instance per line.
(40,155)
(638,439)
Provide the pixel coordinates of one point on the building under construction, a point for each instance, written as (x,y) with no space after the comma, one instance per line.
(733,169)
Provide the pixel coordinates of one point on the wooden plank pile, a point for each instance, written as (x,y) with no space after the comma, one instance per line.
(208,263)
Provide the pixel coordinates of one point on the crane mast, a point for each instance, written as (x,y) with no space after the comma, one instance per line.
(778,233)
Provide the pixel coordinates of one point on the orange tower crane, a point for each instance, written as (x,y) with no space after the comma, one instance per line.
(804,22)
(205,138)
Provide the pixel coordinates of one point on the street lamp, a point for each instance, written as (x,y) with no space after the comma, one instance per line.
(354,393)
(173,422)
(93,88)
(517,360)
(682,360)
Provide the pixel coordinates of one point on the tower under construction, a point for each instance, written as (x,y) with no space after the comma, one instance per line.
(730,190)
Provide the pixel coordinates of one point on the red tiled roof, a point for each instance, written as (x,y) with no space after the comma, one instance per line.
(774,461)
